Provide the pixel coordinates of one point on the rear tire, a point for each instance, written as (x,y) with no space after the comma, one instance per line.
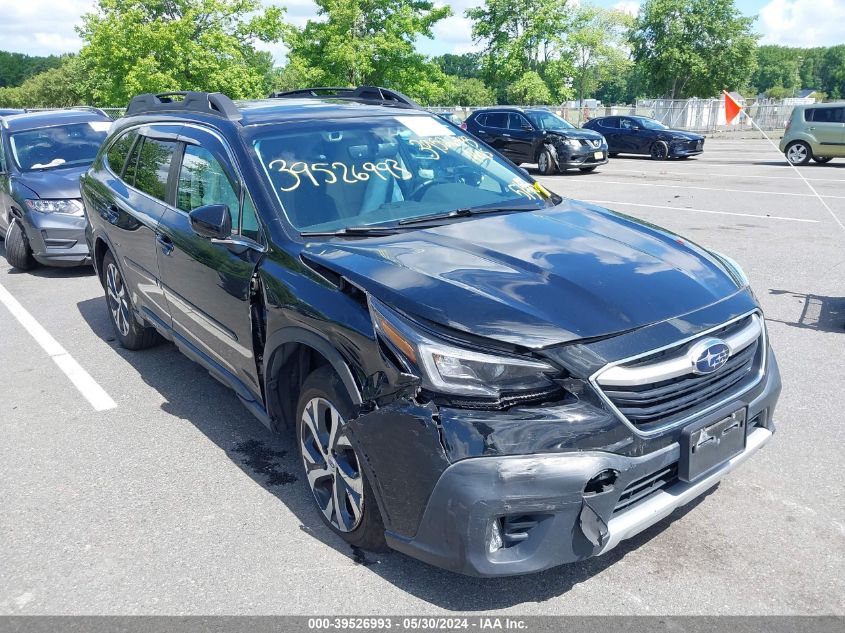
(546,162)
(659,150)
(341,491)
(798,153)
(18,252)
(821,160)
(128,331)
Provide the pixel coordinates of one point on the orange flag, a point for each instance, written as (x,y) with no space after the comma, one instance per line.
(732,108)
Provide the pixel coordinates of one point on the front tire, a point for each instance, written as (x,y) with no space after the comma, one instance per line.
(546,162)
(332,468)
(128,331)
(659,150)
(587,170)
(18,252)
(798,153)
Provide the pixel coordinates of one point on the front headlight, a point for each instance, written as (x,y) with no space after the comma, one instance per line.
(572,143)
(449,369)
(734,269)
(67,207)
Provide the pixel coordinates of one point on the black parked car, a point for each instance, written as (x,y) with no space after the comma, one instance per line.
(642,135)
(42,155)
(478,372)
(533,135)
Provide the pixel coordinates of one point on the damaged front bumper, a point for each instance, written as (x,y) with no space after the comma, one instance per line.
(517,514)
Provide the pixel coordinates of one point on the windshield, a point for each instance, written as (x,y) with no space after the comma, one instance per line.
(58,146)
(651,124)
(333,174)
(549,121)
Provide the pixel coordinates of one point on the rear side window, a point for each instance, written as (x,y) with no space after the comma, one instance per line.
(825,115)
(497,119)
(153,167)
(119,151)
(610,124)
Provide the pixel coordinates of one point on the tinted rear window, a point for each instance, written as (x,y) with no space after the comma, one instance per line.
(610,124)
(825,115)
(153,167)
(497,119)
(119,151)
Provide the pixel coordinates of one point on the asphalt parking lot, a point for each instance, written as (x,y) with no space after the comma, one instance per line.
(177,501)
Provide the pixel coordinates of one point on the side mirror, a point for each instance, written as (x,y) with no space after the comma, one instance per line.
(212,221)
(527,127)
(635,128)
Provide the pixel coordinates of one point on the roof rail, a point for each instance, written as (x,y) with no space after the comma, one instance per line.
(362,94)
(213,103)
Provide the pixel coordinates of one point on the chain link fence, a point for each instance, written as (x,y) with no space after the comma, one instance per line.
(695,115)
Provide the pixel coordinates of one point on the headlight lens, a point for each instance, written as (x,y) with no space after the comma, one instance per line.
(67,207)
(572,143)
(734,269)
(449,369)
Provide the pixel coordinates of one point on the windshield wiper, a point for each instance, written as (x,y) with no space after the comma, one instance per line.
(352,231)
(463,213)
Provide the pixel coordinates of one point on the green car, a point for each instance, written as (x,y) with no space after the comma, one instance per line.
(815,131)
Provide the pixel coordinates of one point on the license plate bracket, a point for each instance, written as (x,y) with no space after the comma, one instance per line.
(708,444)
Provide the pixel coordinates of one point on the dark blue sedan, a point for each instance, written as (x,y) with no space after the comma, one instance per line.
(642,135)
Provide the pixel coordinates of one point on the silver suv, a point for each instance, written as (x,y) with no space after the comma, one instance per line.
(815,131)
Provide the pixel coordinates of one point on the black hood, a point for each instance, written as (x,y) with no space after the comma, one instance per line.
(534,278)
(53,183)
(689,136)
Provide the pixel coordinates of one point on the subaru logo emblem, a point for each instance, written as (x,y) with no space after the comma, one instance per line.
(709,355)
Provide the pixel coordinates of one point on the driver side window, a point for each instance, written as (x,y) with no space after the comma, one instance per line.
(203,181)
(626,124)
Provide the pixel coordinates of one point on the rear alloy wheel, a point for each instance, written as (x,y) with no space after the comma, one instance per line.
(128,331)
(332,468)
(546,162)
(798,153)
(18,252)
(659,150)
(821,160)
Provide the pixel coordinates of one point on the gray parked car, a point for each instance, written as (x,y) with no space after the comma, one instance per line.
(815,132)
(42,155)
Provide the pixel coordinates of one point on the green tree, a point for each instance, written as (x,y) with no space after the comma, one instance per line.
(693,48)
(521,36)
(466,65)
(470,91)
(134,46)
(778,66)
(60,87)
(355,42)
(530,89)
(597,44)
(16,68)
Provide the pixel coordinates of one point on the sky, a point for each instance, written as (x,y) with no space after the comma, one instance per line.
(42,27)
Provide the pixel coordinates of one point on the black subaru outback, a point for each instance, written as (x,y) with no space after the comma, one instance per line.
(478,372)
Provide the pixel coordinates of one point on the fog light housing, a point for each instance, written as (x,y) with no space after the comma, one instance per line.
(495,542)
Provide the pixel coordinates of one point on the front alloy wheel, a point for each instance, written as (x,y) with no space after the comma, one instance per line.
(331,465)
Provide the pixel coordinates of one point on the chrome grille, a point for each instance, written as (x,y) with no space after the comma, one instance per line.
(661,388)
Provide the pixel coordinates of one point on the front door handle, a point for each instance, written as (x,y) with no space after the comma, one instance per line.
(165,243)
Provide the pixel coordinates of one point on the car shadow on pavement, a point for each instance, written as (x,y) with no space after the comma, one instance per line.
(271,461)
(825,314)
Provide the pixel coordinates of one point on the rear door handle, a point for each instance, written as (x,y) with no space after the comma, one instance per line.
(165,243)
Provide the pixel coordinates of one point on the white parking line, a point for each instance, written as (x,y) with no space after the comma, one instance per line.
(81,379)
(607,203)
(756,192)
(713,175)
